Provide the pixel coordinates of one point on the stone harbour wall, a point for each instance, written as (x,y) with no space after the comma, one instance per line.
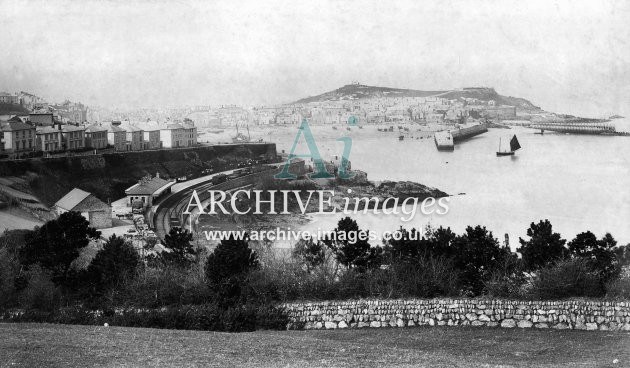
(577,314)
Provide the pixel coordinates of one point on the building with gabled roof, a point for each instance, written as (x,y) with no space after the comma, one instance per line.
(96,136)
(116,136)
(178,135)
(49,139)
(98,213)
(147,190)
(134,136)
(73,137)
(151,134)
(16,136)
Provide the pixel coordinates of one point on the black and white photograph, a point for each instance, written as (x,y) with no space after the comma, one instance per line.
(328,183)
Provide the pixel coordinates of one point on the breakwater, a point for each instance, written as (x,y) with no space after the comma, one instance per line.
(445,140)
(569,314)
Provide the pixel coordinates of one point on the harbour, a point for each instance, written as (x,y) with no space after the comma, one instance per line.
(506,194)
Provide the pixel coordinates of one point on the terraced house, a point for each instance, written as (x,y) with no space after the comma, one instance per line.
(48,139)
(178,135)
(116,136)
(16,136)
(73,137)
(96,136)
(134,137)
(151,135)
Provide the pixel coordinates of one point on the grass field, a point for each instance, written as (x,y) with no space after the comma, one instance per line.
(44,345)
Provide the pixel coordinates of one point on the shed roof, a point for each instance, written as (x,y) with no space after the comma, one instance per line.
(81,201)
(147,186)
(73,198)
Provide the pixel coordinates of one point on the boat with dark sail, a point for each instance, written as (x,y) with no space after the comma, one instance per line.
(514,146)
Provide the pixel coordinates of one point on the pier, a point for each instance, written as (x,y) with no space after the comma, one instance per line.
(576,128)
(445,140)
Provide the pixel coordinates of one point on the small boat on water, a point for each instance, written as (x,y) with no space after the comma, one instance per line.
(240,137)
(514,146)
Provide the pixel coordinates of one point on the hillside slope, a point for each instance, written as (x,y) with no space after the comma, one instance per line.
(358,91)
(487,94)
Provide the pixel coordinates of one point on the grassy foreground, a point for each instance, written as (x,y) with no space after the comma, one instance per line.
(45,345)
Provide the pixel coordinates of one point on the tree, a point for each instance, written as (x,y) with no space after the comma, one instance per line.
(56,244)
(112,264)
(622,253)
(543,247)
(410,246)
(439,241)
(351,248)
(311,253)
(600,254)
(227,268)
(407,246)
(179,240)
(478,255)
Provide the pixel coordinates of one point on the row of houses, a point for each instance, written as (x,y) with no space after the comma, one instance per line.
(18,136)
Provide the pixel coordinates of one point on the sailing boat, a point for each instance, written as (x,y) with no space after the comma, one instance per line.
(514,145)
(240,137)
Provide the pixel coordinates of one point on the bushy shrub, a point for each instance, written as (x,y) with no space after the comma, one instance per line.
(9,269)
(286,281)
(505,286)
(40,292)
(507,280)
(112,265)
(227,269)
(208,317)
(564,279)
(618,288)
(424,277)
(167,285)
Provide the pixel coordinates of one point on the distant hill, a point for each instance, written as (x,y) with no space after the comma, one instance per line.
(358,91)
(12,109)
(487,94)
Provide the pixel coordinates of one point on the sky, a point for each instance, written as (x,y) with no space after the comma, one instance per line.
(565,56)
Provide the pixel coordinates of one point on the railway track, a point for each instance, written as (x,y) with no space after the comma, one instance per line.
(173,206)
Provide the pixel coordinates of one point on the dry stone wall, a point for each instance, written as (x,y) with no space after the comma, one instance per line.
(580,315)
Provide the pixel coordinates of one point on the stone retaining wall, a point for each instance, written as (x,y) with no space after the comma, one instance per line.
(580,315)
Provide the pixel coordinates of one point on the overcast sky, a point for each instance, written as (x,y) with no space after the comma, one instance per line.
(571,57)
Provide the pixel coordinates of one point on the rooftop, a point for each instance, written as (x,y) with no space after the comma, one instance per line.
(46,129)
(148,186)
(73,198)
(13,125)
(81,201)
(71,128)
(95,128)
